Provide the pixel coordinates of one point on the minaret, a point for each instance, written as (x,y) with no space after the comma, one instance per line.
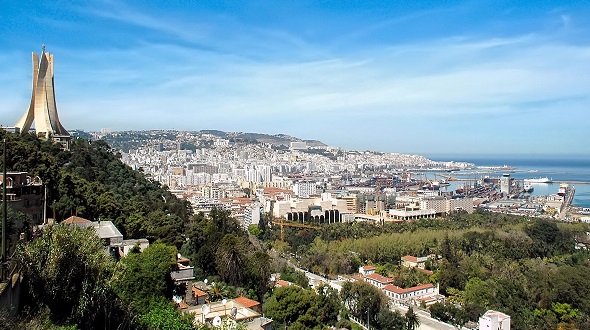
(43,108)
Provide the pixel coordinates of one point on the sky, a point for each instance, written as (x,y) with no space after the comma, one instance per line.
(426,77)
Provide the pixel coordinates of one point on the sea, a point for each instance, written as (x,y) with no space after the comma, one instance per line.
(572,169)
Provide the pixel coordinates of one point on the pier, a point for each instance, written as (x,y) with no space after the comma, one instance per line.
(569,197)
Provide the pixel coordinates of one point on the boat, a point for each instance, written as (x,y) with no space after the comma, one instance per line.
(539,180)
(528,187)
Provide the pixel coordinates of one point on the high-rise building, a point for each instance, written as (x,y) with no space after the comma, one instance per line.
(43,108)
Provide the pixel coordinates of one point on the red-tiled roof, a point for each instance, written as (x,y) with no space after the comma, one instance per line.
(501,315)
(198,293)
(425,271)
(183,260)
(379,278)
(74,219)
(398,290)
(283,283)
(410,258)
(358,277)
(248,303)
(368,267)
(242,200)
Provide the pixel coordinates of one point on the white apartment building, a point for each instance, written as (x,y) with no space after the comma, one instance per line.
(252,215)
(304,189)
(212,192)
(441,204)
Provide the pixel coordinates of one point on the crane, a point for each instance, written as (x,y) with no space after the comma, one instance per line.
(292,224)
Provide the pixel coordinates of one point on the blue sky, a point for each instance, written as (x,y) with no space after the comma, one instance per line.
(397,76)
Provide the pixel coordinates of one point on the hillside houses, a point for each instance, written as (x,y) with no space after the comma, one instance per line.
(421,294)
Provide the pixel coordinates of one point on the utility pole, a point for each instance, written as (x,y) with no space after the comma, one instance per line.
(4,271)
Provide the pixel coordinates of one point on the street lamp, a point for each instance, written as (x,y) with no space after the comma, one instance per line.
(3,265)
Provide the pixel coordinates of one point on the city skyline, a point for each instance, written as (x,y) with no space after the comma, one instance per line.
(463,77)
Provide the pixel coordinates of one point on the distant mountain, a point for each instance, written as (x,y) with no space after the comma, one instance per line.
(127,140)
(277,139)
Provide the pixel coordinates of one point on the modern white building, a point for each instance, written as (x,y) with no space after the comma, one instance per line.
(494,320)
(252,215)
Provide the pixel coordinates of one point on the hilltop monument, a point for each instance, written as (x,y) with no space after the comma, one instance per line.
(43,108)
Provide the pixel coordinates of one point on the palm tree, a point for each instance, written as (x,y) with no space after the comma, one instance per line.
(412,319)
(217,292)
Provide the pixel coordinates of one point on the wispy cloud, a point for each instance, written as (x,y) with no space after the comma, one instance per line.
(460,78)
(175,70)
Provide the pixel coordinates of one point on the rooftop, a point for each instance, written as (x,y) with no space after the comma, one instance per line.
(501,316)
(398,290)
(379,278)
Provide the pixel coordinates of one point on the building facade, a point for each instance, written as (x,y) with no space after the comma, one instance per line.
(25,194)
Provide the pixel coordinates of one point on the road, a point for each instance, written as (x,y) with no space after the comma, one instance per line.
(426,322)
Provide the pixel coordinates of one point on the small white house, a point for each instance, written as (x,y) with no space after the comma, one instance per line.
(494,320)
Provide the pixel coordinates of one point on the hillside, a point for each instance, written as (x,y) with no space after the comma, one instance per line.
(170,139)
(90,181)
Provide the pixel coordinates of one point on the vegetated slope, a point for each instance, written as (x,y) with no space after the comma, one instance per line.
(90,181)
(527,268)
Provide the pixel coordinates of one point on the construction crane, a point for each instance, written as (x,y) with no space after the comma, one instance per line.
(292,224)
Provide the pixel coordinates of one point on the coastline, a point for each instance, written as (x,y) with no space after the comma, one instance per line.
(571,169)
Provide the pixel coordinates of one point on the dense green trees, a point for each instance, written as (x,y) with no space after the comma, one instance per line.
(145,276)
(363,300)
(90,181)
(291,275)
(163,315)
(218,246)
(68,272)
(300,308)
(489,261)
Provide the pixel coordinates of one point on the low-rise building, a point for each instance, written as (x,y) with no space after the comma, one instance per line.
(416,262)
(494,320)
(367,270)
(232,311)
(410,295)
(378,280)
